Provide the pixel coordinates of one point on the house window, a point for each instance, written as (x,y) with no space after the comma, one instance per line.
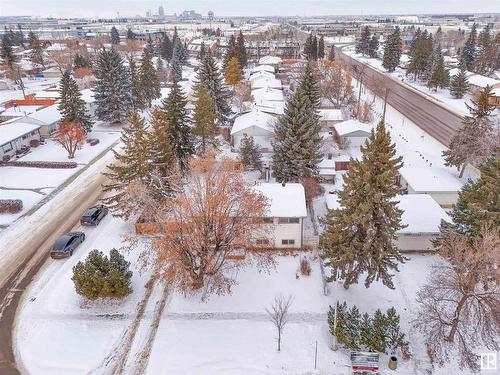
(289,220)
(288,242)
(7,147)
(262,242)
(267,220)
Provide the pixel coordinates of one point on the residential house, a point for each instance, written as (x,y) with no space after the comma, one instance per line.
(257,124)
(355,133)
(48,118)
(264,82)
(90,103)
(274,61)
(329,117)
(284,218)
(13,136)
(263,68)
(261,75)
(436,182)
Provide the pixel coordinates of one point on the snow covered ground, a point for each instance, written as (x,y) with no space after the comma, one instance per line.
(31,185)
(442,96)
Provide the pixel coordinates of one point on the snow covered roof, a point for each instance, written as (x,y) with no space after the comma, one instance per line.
(266,82)
(263,68)
(350,126)
(428,179)
(330,114)
(260,75)
(48,115)
(477,80)
(10,132)
(495,92)
(421,213)
(284,201)
(253,118)
(270,60)
(47,94)
(327,167)
(267,94)
(276,108)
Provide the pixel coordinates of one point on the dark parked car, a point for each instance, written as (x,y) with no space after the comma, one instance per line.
(94,215)
(66,244)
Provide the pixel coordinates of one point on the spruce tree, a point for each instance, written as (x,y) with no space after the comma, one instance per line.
(297,140)
(231,51)
(310,86)
(113,90)
(421,52)
(475,141)
(365,331)
(393,49)
(459,84)
(241,50)
(249,154)
(331,54)
(205,127)
(439,76)
(487,56)
(469,50)
(321,47)
(373,46)
(150,45)
(174,107)
(233,74)
(178,53)
(71,105)
(395,339)
(210,78)
(315,48)
(130,34)
(132,163)
(176,65)
(309,47)
(150,84)
(478,202)
(138,102)
(363,41)
(166,48)
(115,36)
(202,51)
(359,238)
(353,325)
(378,342)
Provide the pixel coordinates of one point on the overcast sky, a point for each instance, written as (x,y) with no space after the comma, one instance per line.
(109,8)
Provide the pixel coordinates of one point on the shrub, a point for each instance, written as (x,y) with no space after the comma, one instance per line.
(379,333)
(305,267)
(41,164)
(11,206)
(102,277)
(34,143)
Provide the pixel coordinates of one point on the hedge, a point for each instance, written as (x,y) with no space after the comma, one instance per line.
(11,206)
(40,164)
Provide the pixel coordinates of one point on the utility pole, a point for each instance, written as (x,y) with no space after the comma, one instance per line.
(21,82)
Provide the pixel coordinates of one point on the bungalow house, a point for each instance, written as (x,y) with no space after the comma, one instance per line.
(262,68)
(261,75)
(15,135)
(353,132)
(265,82)
(285,215)
(257,124)
(271,107)
(274,61)
(48,118)
(421,217)
(477,81)
(267,94)
(329,117)
(436,182)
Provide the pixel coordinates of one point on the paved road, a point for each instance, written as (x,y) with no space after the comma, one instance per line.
(430,116)
(29,250)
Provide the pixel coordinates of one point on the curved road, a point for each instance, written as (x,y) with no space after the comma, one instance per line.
(430,116)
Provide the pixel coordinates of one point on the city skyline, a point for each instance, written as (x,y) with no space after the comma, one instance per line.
(110,9)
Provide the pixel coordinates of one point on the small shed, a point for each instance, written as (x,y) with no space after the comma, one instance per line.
(328,117)
(353,131)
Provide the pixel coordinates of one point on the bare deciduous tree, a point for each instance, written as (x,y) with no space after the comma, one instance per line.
(279,314)
(460,304)
(217,215)
(336,84)
(241,95)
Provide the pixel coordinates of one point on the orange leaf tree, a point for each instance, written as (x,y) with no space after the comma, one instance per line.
(70,135)
(218,214)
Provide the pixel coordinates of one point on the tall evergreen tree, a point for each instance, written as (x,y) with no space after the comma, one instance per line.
(231,51)
(138,102)
(150,45)
(233,74)
(359,237)
(130,34)
(150,84)
(241,50)
(315,48)
(166,48)
(71,105)
(469,50)
(439,76)
(393,49)
(309,47)
(174,107)
(202,51)
(7,53)
(113,91)
(132,162)
(331,54)
(373,46)
(115,36)
(421,52)
(488,53)
(321,47)
(178,53)
(459,84)
(363,41)
(205,121)
(210,78)
(297,140)
(249,154)
(176,68)
(475,141)
(310,87)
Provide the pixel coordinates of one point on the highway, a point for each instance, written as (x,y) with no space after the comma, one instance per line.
(438,121)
